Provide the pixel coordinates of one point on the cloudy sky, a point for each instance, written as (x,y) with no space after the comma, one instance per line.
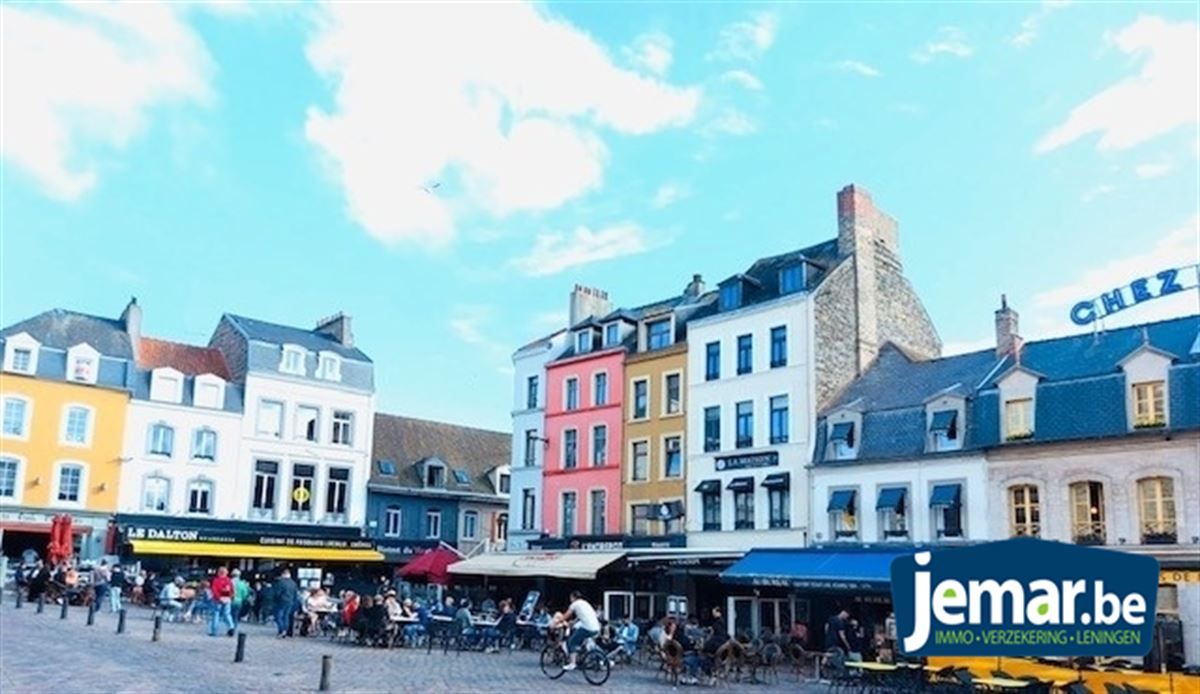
(446,173)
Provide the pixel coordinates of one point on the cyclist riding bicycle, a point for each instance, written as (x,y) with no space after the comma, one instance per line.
(586,626)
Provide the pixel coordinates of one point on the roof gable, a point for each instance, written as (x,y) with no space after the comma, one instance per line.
(274,333)
(409,442)
(62,329)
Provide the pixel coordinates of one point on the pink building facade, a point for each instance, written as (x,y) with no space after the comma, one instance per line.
(582,472)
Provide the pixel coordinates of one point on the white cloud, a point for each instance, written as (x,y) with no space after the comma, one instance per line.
(552,253)
(950,41)
(1032,25)
(651,52)
(744,79)
(82,79)
(858,68)
(1152,169)
(730,121)
(1097,191)
(464,95)
(1050,313)
(746,40)
(668,194)
(1157,100)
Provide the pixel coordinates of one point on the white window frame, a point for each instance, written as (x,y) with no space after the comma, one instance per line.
(258,419)
(666,410)
(592,445)
(329,366)
(163,378)
(156,477)
(391,513)
(18,478)
(203,382)
(607,388)
(150,440)
(346,426)
(425,474)
(276,506)
(432,515)
(27,420)
(500,478)
(331,487)
(195,439)
(578,394)
(21,341)
(584,339)
(289,350)
(562,453)
(474,534)
(633,477)
(1010,432)
(89,427)
(677,435)
(562,513)
(82,351)
(81,502)
(529,495)
(298,431)
(196,483)
(591,517)
(633,415)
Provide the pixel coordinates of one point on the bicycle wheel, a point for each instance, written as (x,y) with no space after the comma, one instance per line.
(553,660)
(596,668)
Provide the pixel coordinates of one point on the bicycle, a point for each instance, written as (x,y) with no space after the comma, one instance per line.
(592,661)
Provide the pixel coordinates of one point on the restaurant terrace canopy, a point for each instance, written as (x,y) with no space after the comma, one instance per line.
(572,564)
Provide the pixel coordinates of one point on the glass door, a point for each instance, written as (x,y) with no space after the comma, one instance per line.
(742,616)
(618,605)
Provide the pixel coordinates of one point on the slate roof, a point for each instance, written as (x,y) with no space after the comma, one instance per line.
(192,360)
(277,334)
(895,380)
(62,329)
(763,274)
(407,441)
(139,386)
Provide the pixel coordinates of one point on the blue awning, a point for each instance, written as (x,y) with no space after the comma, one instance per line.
(945,495)
(817,569)
(843,431)
(841,500)
(891,499)
(943,421)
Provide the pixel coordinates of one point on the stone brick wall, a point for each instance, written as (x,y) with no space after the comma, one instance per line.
(901,316)
(835,329)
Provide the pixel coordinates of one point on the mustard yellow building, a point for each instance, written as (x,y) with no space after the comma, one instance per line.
(64,397)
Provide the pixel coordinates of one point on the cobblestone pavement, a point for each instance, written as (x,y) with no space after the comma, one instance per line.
(43,653)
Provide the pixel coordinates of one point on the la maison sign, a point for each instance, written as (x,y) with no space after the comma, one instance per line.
(1142,289)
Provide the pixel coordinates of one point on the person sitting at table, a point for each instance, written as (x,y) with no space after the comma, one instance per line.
(857,639)
(627,637)
(505,627)
(358,621)
(691,656)
(169,600)
(447,608)
(316,606)
(466,623)
(414,632)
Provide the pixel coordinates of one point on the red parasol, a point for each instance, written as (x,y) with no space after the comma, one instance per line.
(431,566)
(61,543)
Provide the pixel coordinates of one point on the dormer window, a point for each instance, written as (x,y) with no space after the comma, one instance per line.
(658,334)
(209,392)
(293,360)
(21,354)
(385,467)
(583,341)
(329,366)
(166,385)
(505,484)
(943,430)
(731,296)
(1018,418)
(435,475)
(462,478)
(83,362)
(1149,410)
(791,279)
(612,334)
(841,440)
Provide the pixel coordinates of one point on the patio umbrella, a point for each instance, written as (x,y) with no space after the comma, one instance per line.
(431,566)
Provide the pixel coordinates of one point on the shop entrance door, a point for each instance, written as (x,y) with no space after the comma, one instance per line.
(742,616)
(618,605)
(774,615)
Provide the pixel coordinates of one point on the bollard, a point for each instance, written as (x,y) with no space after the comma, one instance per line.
(63,614)
(326,666)
(121,621)
(157,627)
(18,597)
(240,654)
(41,604)
(91,614)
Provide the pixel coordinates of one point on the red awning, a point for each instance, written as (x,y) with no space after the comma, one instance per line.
(35,527)
(431,566)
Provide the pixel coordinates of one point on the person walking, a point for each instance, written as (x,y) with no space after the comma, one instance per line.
(286,595)
(116,588)
(100,579)
(222,607)
(243,596)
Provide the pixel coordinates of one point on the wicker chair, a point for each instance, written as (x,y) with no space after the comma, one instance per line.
(672,662)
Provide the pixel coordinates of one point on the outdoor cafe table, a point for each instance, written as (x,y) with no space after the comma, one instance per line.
(1001,683)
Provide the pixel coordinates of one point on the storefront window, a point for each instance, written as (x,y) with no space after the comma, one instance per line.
(711,504)
(743,510)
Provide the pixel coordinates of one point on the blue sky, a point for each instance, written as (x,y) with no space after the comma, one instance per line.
(445,174)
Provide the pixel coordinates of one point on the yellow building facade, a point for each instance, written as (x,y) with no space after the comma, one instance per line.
(655,431)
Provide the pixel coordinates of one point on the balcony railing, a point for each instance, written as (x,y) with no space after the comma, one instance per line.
(1089,533)
(1159,533)
(1027,530)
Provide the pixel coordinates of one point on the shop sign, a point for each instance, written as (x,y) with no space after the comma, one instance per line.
(233,536)
(749,460)
(1142,289)
(1177,576)
(610,543)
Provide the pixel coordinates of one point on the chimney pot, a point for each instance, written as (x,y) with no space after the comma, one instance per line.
(1008,339)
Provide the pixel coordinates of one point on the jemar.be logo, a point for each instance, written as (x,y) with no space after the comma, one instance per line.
(1024,596)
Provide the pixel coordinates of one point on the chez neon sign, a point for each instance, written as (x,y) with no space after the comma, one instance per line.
(1164,283)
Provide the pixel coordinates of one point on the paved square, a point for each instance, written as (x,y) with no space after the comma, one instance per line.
(43,653)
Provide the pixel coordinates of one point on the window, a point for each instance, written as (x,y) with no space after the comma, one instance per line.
(77,425)
(391,521)
(1087,513)
(293,360)
(743,509)
(435,475)
(672,457)
(779,419)
(892,508)
(1025,514)
(343,428)
(200,494)
(791,279)
(8,478)
(1148,408)
(583,341)
(531,442)
(1018,419)
(204,444)
(600,389)
(528,510)
(712,361)
(433,524)
(599,445)
(330,367)
(612,335)
(779,507)
(270,419)
(470,529)
(641,399)
(70,483)
(711,505)
(745,424)
(712,429)
(658,334)
(572,394)
(531,393)
(642,515)
(944,430)
(156,494)
(598,509)
(843,516)
(500,530)
(640,471)
(83,368)
(265,477)
(673,400)
(779,346)
(209,394)
(162,440)
(505,483)
(386,467)
(16,412)
(165,385)
(308,420)
(1156,501)
(946,504)
(568,513)
(745,354)
(22,360)
(570,449)
(462,478)
(731,296)
(302,490)
(841,439)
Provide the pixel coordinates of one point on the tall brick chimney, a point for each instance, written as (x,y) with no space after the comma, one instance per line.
(587,302)
(870,235)
(131,319)
(337,326)
(694,288)
(1008,341)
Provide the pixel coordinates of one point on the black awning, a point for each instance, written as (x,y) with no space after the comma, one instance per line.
(891,499)
(709,487)
(779,480)
(741,484)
